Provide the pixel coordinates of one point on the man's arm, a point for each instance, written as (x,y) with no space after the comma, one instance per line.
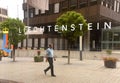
(54,58)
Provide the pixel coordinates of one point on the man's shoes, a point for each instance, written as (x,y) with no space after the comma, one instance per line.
(53,75)
(45,72)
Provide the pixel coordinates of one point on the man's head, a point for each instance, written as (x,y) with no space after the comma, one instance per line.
(50,46)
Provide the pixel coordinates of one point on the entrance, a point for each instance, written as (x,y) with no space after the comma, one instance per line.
(95,40)
(111,38)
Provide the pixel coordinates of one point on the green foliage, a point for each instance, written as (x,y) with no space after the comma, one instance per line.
(14,26)
(69,18)
(109,52)
(1,35)
(38,58)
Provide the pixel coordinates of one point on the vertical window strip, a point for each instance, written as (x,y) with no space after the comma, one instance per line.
(42,11)
(36,11)
(115,5)
(56,8)
(25,14)
(24,1)
(101,2)
(31,13)
(118,4)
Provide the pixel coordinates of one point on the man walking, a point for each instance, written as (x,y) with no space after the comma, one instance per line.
(49,57)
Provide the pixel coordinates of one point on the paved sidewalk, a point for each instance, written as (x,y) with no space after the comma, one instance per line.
(87,71)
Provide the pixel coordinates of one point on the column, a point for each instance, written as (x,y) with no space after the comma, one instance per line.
(32,43)
(115,5)
(58,43)
(26,44)
(61,43)
(66,44)
(39,43)
(46,43)
(21,44)
(101,39)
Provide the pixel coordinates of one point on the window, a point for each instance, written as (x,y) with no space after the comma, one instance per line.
(36,11)
(0,10)
(0,19)
(108,3)
(51,9)
(118,6)
(56,8)
(103,3)
(25,14)
(3,19)
(42,11)
(116,36)
(112,4)
(31,13)
(65,5)
(3,11)
(73,4)
(93,2)
(83,3)
(24,1)
(115,4)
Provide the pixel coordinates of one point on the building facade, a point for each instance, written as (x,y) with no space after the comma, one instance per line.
(94,11)
(3,14)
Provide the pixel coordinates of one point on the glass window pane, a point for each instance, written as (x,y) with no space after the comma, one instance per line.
(110,36)
(42,11)
(25,14)
(117,36)
(56,8)
(36,11)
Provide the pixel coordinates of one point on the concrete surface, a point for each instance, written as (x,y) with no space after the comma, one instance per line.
(87,71)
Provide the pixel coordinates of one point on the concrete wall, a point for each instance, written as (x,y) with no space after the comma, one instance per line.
(74,54)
